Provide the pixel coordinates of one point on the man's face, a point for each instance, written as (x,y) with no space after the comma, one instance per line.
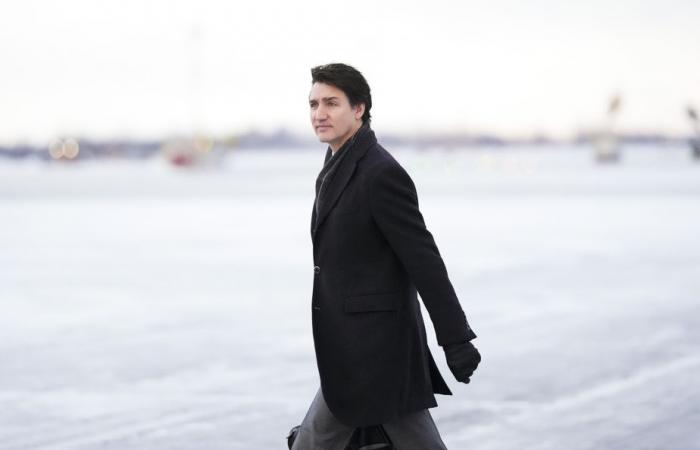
(333,118)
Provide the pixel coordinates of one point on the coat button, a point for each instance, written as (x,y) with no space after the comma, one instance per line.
(317,270)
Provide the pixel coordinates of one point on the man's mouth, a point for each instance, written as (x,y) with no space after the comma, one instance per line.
(322,127)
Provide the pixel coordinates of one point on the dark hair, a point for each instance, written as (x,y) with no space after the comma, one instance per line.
(347,79)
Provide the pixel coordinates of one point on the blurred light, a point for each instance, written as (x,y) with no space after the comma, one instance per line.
(56,149)
(203,144)
(64,149)
(71,148)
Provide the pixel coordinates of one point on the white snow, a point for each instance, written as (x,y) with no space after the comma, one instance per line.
(144,307)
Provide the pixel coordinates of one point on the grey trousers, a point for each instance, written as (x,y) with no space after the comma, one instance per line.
(320,430)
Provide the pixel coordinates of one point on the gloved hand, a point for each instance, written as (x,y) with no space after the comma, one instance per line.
(462,359)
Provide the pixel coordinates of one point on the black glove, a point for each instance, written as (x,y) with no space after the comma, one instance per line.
(462,359)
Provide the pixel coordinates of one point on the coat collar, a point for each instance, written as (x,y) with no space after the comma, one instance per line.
(361,142)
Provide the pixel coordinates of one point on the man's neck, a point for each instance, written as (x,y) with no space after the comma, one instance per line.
(335,150)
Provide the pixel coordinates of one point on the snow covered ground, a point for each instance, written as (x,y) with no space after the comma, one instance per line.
(142,307)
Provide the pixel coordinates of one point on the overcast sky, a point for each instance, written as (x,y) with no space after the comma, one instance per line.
(152,68)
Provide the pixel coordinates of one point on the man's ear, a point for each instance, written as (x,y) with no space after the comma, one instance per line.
(359,110)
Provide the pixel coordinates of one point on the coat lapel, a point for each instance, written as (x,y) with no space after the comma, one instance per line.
(336,187)
(313,210)
(343,174)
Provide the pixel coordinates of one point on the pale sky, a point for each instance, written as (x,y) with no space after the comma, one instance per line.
(152,68)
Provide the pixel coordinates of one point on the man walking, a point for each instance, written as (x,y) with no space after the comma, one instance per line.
(372,255)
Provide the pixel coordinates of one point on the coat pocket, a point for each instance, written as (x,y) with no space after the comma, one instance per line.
(372,302)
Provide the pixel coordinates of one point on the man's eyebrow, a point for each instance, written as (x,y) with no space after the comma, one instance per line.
(325,99)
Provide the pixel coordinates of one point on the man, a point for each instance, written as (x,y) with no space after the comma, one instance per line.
(372,255)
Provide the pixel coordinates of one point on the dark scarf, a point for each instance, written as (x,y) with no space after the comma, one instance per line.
(325,177)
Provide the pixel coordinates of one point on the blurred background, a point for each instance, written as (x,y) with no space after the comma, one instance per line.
(157,173)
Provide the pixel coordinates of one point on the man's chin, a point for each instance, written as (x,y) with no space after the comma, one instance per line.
(324,139)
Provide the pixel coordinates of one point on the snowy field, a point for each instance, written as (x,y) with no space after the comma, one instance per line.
(147,308)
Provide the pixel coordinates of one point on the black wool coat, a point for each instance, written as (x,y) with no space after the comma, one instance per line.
(372,254)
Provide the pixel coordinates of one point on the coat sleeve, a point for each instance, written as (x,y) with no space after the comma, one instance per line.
(394,204)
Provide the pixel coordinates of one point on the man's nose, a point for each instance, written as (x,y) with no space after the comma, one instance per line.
(320,113)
